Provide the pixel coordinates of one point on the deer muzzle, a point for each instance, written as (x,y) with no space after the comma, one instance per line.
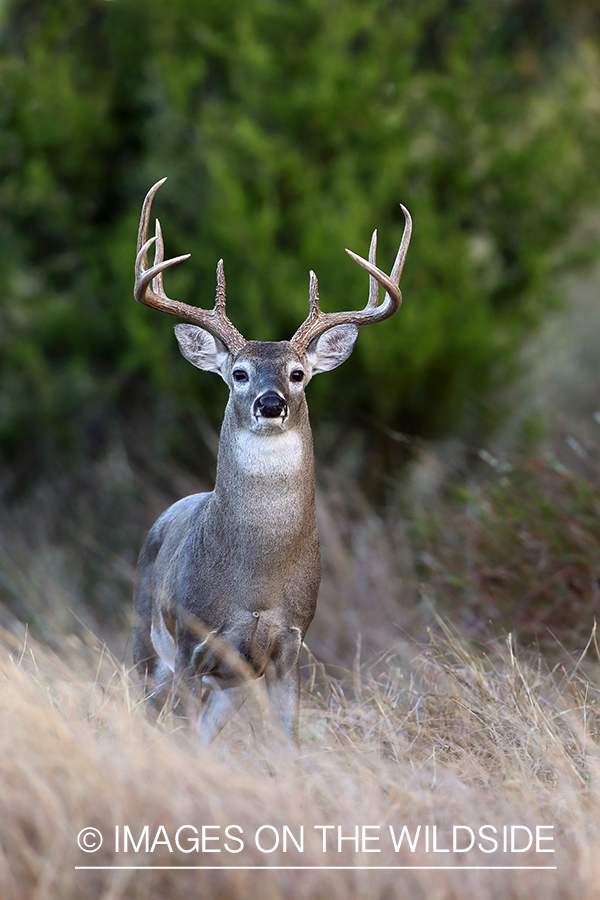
(271,405)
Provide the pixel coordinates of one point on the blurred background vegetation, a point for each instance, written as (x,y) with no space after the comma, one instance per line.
(288,131)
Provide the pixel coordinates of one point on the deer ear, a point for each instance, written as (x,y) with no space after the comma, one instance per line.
(202,349)
(331,349)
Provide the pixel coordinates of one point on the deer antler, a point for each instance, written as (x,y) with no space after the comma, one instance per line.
(318,322)
(214,320)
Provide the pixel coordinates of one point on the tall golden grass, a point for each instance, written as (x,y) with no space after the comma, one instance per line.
(463,736)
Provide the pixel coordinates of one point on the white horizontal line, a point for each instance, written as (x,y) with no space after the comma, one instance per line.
(227,868)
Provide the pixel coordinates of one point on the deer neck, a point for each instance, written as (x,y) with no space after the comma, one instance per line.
(258,472)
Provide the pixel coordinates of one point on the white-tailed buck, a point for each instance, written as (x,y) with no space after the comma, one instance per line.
(227,581)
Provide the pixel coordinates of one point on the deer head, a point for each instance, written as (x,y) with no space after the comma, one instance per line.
(266,380)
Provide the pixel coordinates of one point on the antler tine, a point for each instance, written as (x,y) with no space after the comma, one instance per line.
(403,248)
(318,322)
(214,320)
(373,301)
(220,299)
(313,296)
(159,255)
(144,223)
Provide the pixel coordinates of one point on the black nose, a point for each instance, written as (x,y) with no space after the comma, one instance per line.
(270,405)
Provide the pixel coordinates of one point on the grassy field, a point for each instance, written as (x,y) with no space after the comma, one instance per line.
(465,736)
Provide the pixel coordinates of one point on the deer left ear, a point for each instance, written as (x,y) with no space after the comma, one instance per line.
(331,349)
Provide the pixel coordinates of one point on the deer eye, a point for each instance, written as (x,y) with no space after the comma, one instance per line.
(297,375)
(240,375)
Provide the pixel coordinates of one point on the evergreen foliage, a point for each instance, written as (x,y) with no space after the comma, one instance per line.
(288,131)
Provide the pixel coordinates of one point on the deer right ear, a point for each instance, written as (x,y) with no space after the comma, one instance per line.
(202,349)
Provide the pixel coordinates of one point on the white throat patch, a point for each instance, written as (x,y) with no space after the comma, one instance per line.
(269,454)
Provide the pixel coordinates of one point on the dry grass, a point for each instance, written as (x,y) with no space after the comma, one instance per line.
(462,736)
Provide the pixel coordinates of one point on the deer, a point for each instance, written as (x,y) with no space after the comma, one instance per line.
(227,581)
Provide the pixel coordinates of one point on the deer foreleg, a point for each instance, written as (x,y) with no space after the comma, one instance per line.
(186,686)
(283,682)
(219,709)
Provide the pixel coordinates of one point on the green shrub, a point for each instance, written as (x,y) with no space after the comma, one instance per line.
(288,131)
